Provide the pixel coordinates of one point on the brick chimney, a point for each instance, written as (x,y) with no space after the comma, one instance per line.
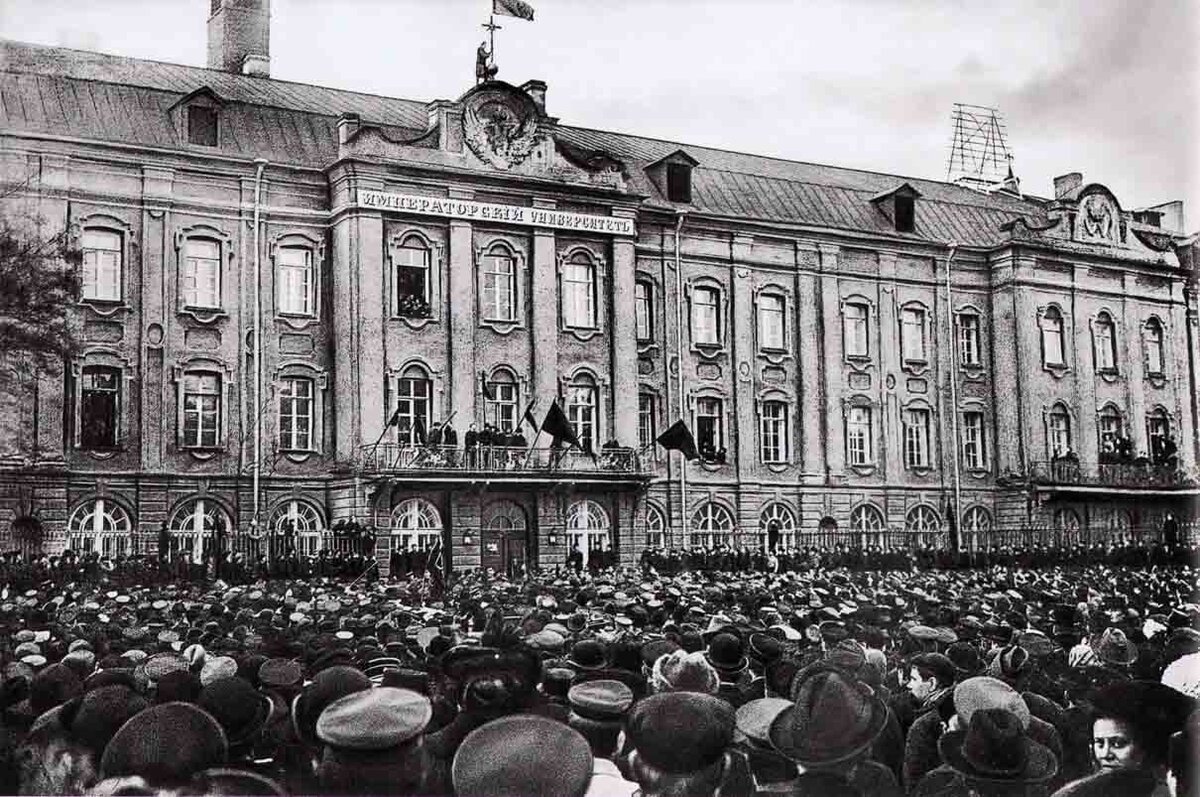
(1066,183)
(239,37)
(536,89)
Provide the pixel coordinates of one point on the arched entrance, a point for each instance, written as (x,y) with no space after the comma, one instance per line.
(503,539)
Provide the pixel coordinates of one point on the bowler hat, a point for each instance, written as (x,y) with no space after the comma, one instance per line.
(165,744)
(995,747)
(834,719)
(588,654)
(510,756)
(239,707)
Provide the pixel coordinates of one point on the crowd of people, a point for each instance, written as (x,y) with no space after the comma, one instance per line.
(1074,678)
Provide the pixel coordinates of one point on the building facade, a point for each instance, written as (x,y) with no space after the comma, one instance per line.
(291,296)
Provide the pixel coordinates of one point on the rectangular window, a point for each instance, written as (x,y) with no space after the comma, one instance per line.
(974,442)
(296,414)
(773,431)
(581,412)
(912,334)
(101,266)
(643,311)
(201,410)
(1052,339)
(412,281)
(968,339)
(202,273)
(1158,431)
(296,281)
(499,288)
(854,329)
(99,403)
(905,213)
(579,295)
(647,428)
(679,182)
(502,408)
(413,393)
(916,438)
(706,316)
(858,436)
(202,126)
(710,438)
(771,322)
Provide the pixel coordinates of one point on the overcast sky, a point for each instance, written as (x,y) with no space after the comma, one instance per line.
(1110,88)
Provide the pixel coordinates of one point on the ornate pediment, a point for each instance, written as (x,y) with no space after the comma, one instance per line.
(501,124)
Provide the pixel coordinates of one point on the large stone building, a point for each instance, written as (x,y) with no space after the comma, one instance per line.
(285,287)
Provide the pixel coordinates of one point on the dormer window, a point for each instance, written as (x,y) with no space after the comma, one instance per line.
(905,212)
(679,182)
(899,204)
(202,125)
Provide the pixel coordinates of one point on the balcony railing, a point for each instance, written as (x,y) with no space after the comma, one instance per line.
(390,457)
(1120,474)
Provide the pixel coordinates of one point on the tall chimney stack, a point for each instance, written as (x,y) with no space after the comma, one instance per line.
(239,37)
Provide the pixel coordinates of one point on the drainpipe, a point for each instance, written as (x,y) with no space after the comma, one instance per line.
(955,441)
(259,165)
(680,215)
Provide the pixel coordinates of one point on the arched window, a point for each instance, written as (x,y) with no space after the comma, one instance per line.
(500,401)
(579,292)
(414,395)
(643,298)
(588,529)
(411,261)
(1111,431)
(1158,436)
(1118,526)
(1104,334)
(102,526)
(712,525)
(1053,352)
(867,524)
(583,410)
(415,524)
(194,527)
(976,524)
(923,525)
(505,516)
(827,532)
(777,527)
(656,527)
(498,295)
(304,519)
(1067,526)
(1058,431)
(1155,359)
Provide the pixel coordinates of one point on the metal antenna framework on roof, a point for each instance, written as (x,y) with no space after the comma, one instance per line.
(979,153)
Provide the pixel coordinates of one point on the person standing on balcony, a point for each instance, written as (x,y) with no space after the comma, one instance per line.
(471,441)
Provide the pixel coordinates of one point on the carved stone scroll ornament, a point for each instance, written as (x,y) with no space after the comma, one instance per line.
(499,128)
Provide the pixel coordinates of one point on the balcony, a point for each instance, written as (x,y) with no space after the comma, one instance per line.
(500,464)
(1135,475)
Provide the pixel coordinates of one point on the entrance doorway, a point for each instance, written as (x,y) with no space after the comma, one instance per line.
(503,539)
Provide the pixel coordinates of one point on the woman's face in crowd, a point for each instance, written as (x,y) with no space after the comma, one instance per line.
(1113,746)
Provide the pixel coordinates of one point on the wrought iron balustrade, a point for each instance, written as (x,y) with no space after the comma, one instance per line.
(391,457)
(1109,474)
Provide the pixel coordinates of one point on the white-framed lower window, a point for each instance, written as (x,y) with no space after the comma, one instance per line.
(582,410)
(588,528)
(710,427)
(647,420)
(498,294)
(201,410)
(968,339)
(500,401)
(194,527)
(916,437)
(415,524)
(302,518)
(773,431)
(777,527)
(414,397)
(656,527)
(706,315)
(101,526)
(912,334)
(102,256)
(772,322)
(712,524)
(296,413)
(859,442)
(202,273)
(855,337)
(296,281)
(974,440)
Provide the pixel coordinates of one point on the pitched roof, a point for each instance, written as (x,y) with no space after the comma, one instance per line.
(112,98)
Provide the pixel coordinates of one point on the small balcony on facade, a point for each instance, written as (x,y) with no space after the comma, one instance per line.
(1069,472)
(501,464)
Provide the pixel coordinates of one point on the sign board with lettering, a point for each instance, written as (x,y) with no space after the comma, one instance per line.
(504,214)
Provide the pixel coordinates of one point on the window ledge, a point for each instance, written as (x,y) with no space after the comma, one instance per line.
(646,346)
(915,367)
(920,470)
(972,370)
(709,351)
(1109,374)
(712,465)
(858,360)
(1057,370)
(582,333)
(102,453)
(300,456)
(203,453)
(419,322)
(204,315)
(863,470)
(106,307)
(979,473)
(778,467)
(501,327)
(297,321)
(1157,378)
(775,356)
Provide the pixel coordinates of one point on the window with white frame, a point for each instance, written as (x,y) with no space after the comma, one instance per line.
(102,265)
(202,273)
(297,294)
(1153,337)
(656,527)
(859,448)
(710,431)
(712,525)
(1053,351)
(1104,334)
(643,302)
(916,437)
(974,440)
(772,322)
(296,413)
(912,334)
(582,409)
(416,524)
(1066,523)
(500,409)
(101,526)
(588,528)
(867,523)
(1058,425)
(1110,429)
(647,421)
(412,262)
(969,352)
(579,292)
(773,431)
(99,407)
(706,315)
(201,409)
(854,329)
(194,527)
(414,395)
(923,524)
(1158,432)
(777,527)
(498,297)
(976,524)
(302,518)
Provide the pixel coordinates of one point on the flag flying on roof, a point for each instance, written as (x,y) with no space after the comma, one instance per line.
(679,438)
(513,8)
(557,425)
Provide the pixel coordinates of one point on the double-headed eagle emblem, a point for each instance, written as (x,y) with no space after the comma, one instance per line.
(498,133)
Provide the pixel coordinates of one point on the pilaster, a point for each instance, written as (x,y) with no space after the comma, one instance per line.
(831,314)
(742,308)
(462,311)
(544,302)
(810,364)
(624,341)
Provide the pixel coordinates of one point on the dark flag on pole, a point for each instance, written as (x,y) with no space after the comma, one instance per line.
(557,426)
(679,438)
(395,419)
(513,8)
(528,417)
(487,389)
